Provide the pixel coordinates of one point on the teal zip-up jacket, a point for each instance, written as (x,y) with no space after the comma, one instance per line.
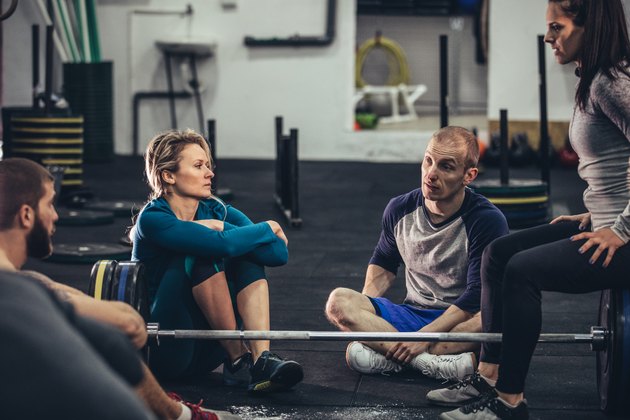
(159,237)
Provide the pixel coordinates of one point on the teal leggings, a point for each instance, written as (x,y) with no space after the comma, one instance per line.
(175,308)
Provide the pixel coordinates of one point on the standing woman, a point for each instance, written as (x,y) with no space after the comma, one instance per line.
(205,264)
(573,254)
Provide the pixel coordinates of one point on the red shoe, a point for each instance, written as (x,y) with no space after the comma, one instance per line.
(200,413)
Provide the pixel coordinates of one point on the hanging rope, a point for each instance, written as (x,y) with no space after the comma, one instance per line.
(396,60)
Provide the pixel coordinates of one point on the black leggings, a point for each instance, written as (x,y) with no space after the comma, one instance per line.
(514,271)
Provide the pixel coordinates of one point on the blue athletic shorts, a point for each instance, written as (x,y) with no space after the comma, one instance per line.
(405,318)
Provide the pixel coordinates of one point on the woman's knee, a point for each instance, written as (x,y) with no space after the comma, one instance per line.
(520,275)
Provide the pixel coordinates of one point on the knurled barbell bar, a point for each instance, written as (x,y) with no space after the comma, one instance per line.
(597,337)
(125,281)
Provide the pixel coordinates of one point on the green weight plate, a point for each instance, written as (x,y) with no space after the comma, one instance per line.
(77,217)
(88,253)
(120,208)
(515,188)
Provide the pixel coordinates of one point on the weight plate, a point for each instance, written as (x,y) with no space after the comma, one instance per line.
(526,223)
(604,359)
(621,360)
(515,188)
(101,279)
(524,214)
(536,199)
(76,217)
(524,207)
(88,253)
(130,286)
(120,208)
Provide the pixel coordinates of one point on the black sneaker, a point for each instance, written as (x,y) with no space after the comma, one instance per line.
(468,390)
(488,408)
(237,373)
(271,373)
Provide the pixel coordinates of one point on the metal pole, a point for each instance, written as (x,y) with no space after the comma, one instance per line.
(544,130)
(505,171)
(171,92)
(596,334)
(35,63)
(293,174)
(443,81)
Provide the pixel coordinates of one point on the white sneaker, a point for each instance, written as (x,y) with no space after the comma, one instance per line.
(367,361)
(449,366)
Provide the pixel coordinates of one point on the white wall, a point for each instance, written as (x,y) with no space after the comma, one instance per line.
(513,71)
(311,87)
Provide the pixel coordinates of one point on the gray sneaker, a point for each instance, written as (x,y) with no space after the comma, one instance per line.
(237,373)
(463,392)
(364,360)
(452,367)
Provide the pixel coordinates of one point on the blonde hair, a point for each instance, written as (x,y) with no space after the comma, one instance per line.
(164,154)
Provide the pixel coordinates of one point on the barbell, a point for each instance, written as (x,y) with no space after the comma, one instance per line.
(597,338)
(125,281)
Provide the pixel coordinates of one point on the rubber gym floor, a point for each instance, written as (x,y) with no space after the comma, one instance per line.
(341,205)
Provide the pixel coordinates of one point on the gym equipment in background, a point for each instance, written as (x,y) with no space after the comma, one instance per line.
(524,202)
(397,83)
(287,189)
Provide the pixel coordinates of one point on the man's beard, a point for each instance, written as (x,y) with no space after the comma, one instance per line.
(39,241)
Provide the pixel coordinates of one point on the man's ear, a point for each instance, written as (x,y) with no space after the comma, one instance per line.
(26,216)
(470,176)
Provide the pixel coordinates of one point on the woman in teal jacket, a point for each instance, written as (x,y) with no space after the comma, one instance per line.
(204,262)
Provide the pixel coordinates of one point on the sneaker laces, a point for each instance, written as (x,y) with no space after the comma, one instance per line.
(378,361)
(442,367)
(487,401)
(197,412)
(468,380)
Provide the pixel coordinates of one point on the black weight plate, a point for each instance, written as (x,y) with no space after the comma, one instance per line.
(88,253)
(120,208)
(621,361)
(75,217)
(521,215)
(526,223)
(524,207)
(142,295)
(515,188)
(101,279)
(604,358)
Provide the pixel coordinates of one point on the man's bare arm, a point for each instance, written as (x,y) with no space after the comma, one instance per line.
(377,281)
(117,314)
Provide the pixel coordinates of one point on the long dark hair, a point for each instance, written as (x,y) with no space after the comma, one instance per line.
(606,47)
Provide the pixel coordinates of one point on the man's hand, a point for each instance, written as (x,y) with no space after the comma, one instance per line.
(403,353)
(584,219)
(605,240)
(131,323)
(213,224)
(115,313)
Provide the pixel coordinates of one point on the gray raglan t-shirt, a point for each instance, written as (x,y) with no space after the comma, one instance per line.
(442,261)
(600,135)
